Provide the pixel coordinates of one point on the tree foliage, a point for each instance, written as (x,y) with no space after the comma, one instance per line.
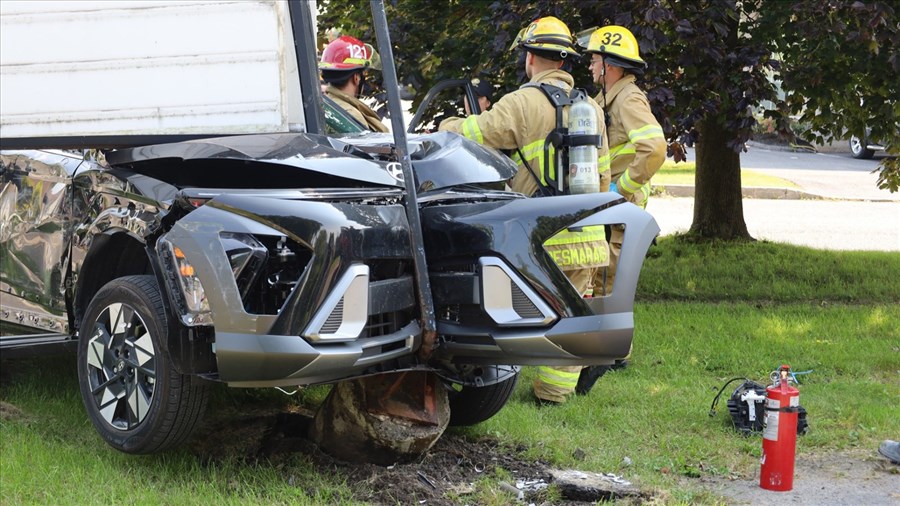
(841,70)
(712,65)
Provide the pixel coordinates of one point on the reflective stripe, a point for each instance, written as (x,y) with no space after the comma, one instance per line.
(557,378)
(626,183)
(646,191)
(603,163)
(586,255)
(583,249)
(534,149)
(471,130)
(595,233)
(621,149)
(645,132)
(534,152)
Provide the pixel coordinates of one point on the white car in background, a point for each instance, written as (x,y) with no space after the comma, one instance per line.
(863,149)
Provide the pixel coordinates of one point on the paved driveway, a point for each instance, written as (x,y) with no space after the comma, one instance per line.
(849,213)
(824,224)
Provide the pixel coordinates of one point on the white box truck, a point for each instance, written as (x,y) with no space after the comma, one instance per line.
(83,69)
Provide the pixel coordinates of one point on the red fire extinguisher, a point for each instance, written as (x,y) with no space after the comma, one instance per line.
(779,433)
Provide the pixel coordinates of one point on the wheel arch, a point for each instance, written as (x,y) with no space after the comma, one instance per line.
(116,253)
(112,254)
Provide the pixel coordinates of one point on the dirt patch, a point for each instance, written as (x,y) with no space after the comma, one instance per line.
(9,412)
(446,475)
(840,478)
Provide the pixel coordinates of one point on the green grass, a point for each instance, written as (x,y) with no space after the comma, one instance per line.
(683,173)
(655,412)
(707,313)
(51,454)
(767,272)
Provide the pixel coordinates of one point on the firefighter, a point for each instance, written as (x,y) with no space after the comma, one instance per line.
(519,122)
(484,93)
(344,64)
(637,146)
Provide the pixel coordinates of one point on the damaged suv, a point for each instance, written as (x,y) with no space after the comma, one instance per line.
(289,259)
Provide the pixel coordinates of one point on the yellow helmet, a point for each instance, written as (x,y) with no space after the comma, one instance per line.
(547,35)
(618,45)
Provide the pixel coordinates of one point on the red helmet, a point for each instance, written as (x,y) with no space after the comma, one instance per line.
(346,53)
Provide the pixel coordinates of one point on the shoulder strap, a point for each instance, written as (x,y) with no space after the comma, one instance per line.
(556,95)
(544,190)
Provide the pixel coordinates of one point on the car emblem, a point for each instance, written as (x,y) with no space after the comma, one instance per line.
(395,170)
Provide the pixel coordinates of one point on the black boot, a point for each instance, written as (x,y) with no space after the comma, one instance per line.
(589,376)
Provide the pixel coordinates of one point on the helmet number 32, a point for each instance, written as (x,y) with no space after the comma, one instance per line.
(612,39)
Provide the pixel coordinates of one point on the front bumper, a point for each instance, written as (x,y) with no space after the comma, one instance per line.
(465,243)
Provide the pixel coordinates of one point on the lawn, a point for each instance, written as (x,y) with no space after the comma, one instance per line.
(683,173)
(706,313)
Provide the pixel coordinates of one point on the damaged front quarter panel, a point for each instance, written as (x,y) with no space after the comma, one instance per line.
(330,245)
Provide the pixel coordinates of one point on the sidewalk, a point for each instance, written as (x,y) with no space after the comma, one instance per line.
(839,178)
(836,204)
(821,224)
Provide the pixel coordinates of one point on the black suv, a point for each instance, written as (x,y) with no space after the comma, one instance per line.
(290,259)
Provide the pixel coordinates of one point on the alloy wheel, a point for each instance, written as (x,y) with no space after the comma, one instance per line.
(121,362)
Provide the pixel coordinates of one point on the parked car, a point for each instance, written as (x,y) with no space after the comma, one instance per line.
(864,148)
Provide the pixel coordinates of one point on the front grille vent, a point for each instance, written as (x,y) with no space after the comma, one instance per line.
(522,305)
(333,323)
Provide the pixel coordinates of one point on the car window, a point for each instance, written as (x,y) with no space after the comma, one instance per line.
(443,100)
(339,122)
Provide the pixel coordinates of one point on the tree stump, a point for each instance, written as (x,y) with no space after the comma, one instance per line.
(383,419)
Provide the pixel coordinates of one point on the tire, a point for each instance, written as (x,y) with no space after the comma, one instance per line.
(859,150)
(136,400)
(472,405)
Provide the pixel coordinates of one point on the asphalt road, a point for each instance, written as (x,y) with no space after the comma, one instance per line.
(847,210)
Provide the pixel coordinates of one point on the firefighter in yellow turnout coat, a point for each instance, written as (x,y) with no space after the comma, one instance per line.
(637,146)
(344,63)
(356,108)
(519,123)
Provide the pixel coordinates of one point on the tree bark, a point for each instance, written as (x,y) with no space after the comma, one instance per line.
(718,205)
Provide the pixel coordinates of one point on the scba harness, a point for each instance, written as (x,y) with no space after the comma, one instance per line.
(560,140)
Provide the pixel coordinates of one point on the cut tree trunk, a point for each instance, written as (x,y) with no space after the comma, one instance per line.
(718,205)
(383,419)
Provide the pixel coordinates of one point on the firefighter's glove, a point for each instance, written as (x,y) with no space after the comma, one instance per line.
(613,187)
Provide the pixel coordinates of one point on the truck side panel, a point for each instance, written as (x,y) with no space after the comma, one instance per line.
(83,68)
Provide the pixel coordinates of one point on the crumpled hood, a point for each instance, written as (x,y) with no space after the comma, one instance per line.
(305,151)
(439,160)
(444,159)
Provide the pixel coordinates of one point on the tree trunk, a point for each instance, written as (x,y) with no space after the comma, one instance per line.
(718,208)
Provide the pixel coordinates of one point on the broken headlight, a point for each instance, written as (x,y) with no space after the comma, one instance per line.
(194,306)
(247,257)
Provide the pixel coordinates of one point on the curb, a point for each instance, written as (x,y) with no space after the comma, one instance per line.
(752,192)
(759,192)
(818,149)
